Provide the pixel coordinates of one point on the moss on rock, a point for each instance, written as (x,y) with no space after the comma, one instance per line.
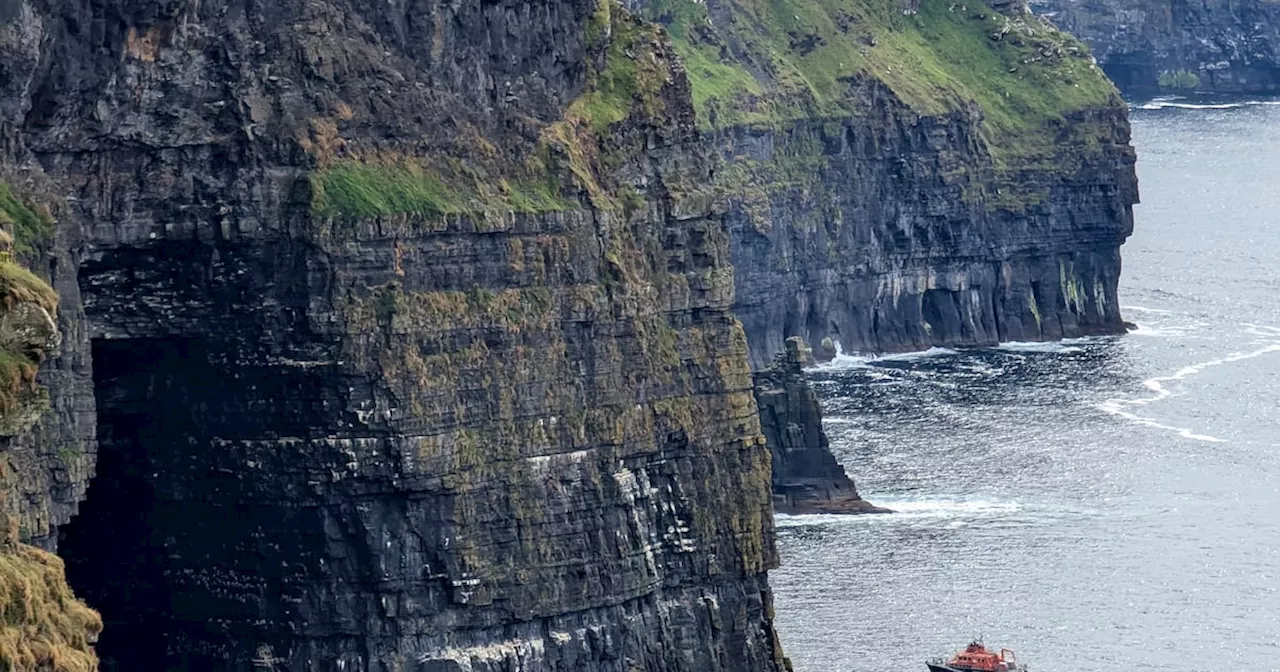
(27,226)
(770,61)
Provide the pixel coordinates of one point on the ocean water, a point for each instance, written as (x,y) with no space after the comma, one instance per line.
(1099,504)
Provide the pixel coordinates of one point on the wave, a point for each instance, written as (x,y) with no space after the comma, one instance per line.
(1163,104)
(908,509)
(1144,309)
(1057,347)
(856,360)
(947,507)
(1162,387)
(1162,322)
(1157,332)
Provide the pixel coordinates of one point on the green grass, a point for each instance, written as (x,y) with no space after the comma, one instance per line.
(19,285)
(368,190)
(779,60)
(29,229)
(1181,79)
(627,78)
(353,189)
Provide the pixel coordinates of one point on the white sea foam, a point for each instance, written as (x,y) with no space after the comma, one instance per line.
(1162,104)
(1164,387)
(857,360)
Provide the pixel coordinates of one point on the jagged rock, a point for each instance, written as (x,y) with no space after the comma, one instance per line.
(29,328)
(1161,46)
(806,476)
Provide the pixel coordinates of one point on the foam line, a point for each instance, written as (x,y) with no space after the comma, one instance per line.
(1161,391)
(1161,104)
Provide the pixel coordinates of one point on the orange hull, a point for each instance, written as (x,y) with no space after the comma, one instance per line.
(976,658)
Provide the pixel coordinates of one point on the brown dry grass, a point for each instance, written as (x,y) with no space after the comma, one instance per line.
(42,624)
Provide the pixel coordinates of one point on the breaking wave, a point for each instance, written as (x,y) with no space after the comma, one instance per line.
(1160,104)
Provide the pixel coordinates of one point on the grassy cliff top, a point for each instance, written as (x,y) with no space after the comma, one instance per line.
(768,61)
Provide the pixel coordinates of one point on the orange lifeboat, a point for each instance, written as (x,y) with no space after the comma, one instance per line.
(976,658)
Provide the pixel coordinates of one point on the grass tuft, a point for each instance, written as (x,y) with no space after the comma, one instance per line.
(19,285)
(29,228)
(42,624)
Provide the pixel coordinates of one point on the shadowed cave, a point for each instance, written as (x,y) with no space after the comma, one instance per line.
(170,542)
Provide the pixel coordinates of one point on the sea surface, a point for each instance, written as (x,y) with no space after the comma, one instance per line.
(1098,504)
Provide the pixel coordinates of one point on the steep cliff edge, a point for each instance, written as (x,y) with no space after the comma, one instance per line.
(905,175)
(1162,46)
(43,627)
(410,338)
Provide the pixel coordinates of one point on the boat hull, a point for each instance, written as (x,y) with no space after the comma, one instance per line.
(940,667)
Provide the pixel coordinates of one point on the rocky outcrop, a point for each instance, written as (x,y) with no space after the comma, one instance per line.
(806,476)
(409,337)
(1160,46)
(886,208)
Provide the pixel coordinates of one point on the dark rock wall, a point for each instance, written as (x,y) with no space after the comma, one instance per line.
(1162,46)
(896,180)
(806,476)
(884,247)
(463,438)
(52,460)
(403,334)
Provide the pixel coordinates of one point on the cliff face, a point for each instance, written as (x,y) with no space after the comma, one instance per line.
(909,176)
(806,476)
(402,335)
(42,624)
(410,339)
(1159,46)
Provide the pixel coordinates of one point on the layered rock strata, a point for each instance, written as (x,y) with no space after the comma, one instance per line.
(806,476)
(1160,47)
(410,336)
(402,336)
(941,175)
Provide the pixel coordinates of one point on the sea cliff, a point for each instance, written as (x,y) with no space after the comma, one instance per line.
(1162,47)
(406,334)
(419,336)
(908,175)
